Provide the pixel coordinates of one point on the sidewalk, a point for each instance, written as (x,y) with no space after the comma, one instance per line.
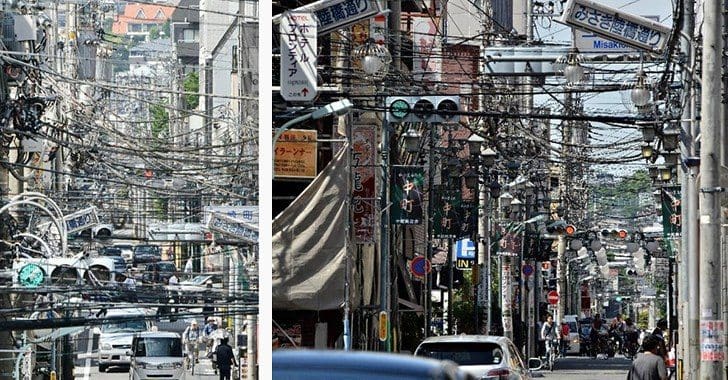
(204,370)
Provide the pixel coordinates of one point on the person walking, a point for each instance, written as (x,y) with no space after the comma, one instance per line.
(225,359)
(648,365)
(564,336)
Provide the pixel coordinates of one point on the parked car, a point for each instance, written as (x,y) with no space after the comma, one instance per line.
(194,289)
(127,251)
(156,355)
(147,253)
(115,254)
(329,364)
(158,273)
(482,356)
(116,335)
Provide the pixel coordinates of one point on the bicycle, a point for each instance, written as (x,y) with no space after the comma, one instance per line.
(552,351)
(193,355)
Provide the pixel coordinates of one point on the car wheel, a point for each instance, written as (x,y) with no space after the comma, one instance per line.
(103,367)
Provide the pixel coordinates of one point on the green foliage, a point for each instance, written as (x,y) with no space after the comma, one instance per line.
(160,119)
(463,307)
(120,57)
(191,85)
(643,319)
(622,197)
(161,207)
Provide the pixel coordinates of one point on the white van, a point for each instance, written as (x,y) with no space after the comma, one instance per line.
(157,355)
(117,333)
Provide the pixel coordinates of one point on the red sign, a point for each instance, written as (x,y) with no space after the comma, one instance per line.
(420,266)
(553,297)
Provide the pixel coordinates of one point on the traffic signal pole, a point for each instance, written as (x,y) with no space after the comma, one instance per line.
(560,278)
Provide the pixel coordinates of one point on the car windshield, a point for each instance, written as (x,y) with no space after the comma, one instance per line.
(572,326)
(166,267)
(112,252)
(126,326)
(198,280)
(159,347)
(318,373)
(145,249)
(463,353)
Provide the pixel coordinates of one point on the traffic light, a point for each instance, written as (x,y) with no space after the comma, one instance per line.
(423,109)
(560,227)
(615,234)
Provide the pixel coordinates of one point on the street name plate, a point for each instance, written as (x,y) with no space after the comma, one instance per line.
(613,24)
(336,14)
(233,227)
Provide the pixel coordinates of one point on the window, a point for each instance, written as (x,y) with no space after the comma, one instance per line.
(135,28)
(140,14)
(160,15)
(463,353)
(189,35)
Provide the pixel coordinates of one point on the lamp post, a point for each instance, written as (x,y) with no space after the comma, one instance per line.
(371,61)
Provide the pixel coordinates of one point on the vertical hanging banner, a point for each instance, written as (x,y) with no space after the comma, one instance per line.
(407,201)
(671,210)
(363,182)
(446,213)
(298,57)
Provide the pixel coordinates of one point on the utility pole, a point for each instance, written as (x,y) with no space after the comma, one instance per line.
(710,161)
(688,268)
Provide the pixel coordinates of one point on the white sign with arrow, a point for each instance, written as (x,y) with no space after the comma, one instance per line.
(298,57)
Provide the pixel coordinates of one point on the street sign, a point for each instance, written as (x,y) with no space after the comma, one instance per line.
(80,220)
(31,275)
(233,227)
(613,24)
(527,270)
(298,57)
(336,14)
(420,266)
(465,254)
(553,297)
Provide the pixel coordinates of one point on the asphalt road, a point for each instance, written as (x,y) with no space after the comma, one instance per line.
(574,367)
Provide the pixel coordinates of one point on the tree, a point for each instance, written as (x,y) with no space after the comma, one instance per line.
(160,119)
(191,86)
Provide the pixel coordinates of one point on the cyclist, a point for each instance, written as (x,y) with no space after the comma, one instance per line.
(191,337)
(596,328)
(548,334)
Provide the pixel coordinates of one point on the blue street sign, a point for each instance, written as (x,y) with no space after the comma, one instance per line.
(465,249)
(527,270)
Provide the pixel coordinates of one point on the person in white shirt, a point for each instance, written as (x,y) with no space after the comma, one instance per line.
(173,280)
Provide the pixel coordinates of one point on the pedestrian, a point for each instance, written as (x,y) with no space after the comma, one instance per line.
(540,344)
(225,359)
(189,267)
(659,332)
(649,365)
(564,336)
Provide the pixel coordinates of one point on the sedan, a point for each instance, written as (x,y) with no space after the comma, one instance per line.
(483,356)
(194,288)
(359,365)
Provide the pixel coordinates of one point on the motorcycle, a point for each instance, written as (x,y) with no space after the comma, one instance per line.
(604,345)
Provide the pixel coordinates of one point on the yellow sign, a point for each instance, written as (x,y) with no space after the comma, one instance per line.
(295,154)
(383,326)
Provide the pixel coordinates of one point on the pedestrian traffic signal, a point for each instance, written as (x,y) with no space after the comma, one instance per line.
(423,109)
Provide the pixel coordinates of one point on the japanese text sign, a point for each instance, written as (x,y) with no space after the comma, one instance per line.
(295,154)
(363,155)
(298,57)
(611,23)
(711,340)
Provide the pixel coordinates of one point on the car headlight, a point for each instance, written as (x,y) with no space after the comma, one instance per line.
(105,346)
(177,365)
(142,365)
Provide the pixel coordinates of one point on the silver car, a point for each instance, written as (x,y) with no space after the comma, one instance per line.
(483,356)
(157,355)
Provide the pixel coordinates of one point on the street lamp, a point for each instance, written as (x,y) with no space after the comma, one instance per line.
(573,70)
(371,61)
(641,93)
